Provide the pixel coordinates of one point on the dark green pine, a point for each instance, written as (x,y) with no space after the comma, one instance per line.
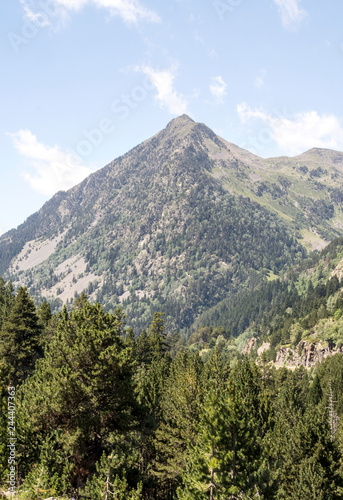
(20,338)
(157,336)
(6,299)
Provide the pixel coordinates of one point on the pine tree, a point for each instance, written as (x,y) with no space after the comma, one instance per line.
(83,386)
(211,468)
(109,481)
(157,336)
(51,475)
(211,465)
(180,407)
(143,352)
(252,468)
(227,459)
(305,460)
(44,313)
(130,340)
(20,338)
(81,301)
(315,394)
(6,299)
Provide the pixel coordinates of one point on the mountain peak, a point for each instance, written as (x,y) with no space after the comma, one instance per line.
(163,225)
(181,120)
(180,123)
(322,155)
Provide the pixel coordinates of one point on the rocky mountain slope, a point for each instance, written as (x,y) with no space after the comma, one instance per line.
(303,325)
(178,224)
(293,321)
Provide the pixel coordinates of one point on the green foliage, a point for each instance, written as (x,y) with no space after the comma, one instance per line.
(180,405)
(20,338)
(211,462)
(103,415)
(44,313)
(82,386)
(6,299)
(51,475)
(296,333)
(109,481)
(157,336)
(226,455)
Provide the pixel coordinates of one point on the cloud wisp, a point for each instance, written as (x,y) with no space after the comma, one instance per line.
(259,80)
(292,14)
(130,11)
(53,169)
(218,88)
(163,81)
(298,133)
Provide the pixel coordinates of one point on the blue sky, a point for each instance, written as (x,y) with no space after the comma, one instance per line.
(84,81)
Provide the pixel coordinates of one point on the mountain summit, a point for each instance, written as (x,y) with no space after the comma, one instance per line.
(177,224)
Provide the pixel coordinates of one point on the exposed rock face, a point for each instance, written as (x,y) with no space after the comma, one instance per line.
(305,354)
(264,347)
(250,344)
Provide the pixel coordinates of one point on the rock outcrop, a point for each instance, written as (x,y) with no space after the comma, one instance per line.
(305,354)
(249,345)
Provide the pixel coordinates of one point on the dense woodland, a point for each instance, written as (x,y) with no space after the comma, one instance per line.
(163,250)
(307,293)
(101,413)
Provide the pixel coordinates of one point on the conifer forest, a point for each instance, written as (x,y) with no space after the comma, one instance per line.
(102,413)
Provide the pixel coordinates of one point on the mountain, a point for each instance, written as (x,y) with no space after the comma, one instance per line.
(295,320)
(179,224)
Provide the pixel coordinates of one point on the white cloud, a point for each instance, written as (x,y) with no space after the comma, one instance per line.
(39,18)
(291,13)
(259,80)
(163,81)
(131,11)
(45,14)
(298,133)
(54,169)
(246,113)
(218,87)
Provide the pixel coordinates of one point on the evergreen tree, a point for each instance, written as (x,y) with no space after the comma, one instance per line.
(180,405)
(143,348)
(252,467)
(305,461)
(6,299)
(211,467)
(157,336)
(44,313)
(109,482)
(51,475)
(20,338)
(83,386)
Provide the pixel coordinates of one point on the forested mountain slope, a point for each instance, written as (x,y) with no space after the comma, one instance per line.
(178,224)
(100,413)
(298,319)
